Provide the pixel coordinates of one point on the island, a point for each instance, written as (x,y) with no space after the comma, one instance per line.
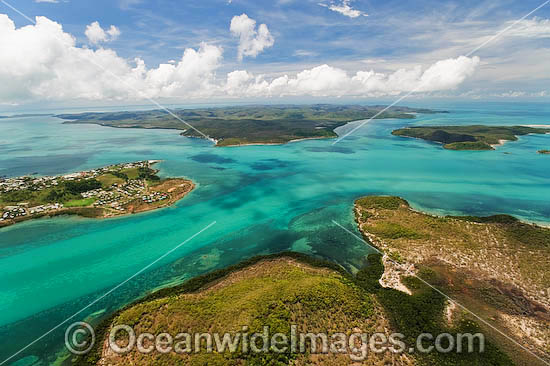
(25,115)
(296,296)
(495,266)
(246,125)
(544,152)
(109,191)
(474,137)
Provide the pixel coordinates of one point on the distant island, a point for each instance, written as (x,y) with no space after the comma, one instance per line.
(497,266)
(26,115)
(99,193)
(544,151)
(234,126)
(475,137)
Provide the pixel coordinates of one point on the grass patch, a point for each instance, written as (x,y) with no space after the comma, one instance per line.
(390,230)
(131,173)
(107,180)
(80,203)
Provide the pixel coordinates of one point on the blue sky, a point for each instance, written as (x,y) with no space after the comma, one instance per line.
(304,36)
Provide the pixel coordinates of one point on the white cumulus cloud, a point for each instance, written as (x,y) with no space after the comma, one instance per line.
(344,8)
(96,34)
(42,62)
(329,81)
(252,41)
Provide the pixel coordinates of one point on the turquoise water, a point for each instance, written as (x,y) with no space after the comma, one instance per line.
(263,199)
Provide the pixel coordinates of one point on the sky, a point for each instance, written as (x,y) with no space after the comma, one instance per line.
(77,52)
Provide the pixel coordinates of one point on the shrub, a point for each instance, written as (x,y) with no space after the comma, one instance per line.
(381,202)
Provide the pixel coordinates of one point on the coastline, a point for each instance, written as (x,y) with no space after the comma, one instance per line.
(479,261)
(101,213)
(171,190)
(277,143)
(501,142)
(208,138)
(217,141)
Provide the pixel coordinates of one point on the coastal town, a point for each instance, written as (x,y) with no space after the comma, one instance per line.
(108,191)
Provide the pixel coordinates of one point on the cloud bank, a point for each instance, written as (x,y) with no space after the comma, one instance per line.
(328,81)
(42,62)
(252,41)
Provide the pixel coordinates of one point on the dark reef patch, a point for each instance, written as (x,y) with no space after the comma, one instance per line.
(269,164)
(334,149)
(212,158)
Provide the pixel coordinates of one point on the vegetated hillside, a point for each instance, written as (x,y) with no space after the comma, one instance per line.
(495,266)
(290,289)
(476,137)
(274,293)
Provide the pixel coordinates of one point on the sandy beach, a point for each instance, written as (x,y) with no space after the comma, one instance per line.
(500,143)
(276,143)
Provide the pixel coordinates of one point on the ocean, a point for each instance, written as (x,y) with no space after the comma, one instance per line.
(263,199)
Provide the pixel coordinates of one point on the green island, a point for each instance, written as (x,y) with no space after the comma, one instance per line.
(545,152)
(495,266)
(285,291)
(114,190)
(233,126)
(475,137)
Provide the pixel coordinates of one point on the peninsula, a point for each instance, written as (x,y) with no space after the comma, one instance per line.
(495,266)
(99,193)
(545,152)
(281,292)
(233,126)
(475,137)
